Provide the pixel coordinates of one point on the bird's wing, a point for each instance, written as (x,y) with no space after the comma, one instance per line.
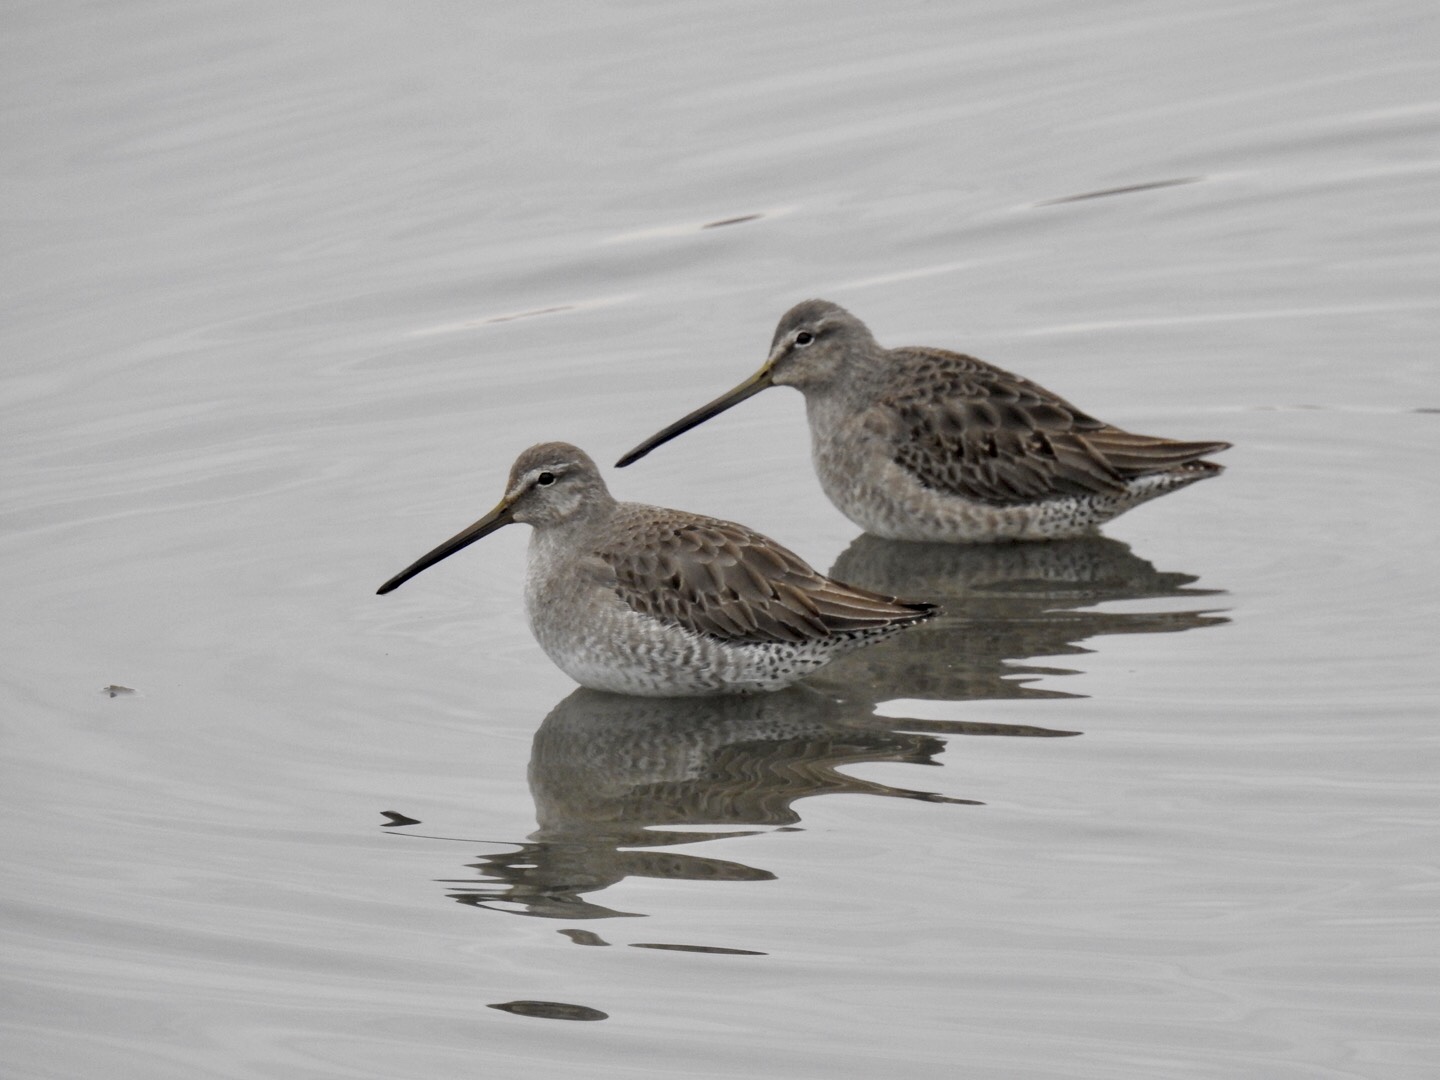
(718,578)
(962,426)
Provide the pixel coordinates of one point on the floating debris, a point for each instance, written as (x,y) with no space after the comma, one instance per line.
(695,948)
(1127,190)
(732,221)
(550,1010)
(114,690)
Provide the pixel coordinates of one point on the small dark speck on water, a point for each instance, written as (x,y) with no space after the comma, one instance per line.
(1427,410)
(584,937)
(1127,190)
(397,818)
(732,221)
(114,690)
(550,1010)
(530,314)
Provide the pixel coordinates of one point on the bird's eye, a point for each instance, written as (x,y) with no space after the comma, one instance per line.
(545,479)
(803,338)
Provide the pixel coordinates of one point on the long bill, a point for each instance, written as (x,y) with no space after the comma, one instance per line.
(495,519)
(749,388)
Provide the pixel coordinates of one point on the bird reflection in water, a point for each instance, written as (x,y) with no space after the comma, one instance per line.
(1001,605)
(620,782)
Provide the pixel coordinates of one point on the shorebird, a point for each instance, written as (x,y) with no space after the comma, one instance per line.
(661,603)
(923,444)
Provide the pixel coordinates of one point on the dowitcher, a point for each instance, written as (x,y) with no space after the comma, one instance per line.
(924,444)
(643,600)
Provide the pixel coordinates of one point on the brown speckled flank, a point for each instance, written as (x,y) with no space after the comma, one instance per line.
(923,444)
(643,600)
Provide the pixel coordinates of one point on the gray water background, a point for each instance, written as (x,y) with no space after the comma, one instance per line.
(288,287)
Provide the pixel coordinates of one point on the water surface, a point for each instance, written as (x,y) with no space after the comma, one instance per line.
(288,289)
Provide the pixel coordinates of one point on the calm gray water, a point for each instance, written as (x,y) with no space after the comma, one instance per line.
(289,286)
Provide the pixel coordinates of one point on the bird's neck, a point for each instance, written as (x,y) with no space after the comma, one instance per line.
(569,531)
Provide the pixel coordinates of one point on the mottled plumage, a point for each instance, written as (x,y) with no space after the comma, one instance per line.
(924,444)
(644,600)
